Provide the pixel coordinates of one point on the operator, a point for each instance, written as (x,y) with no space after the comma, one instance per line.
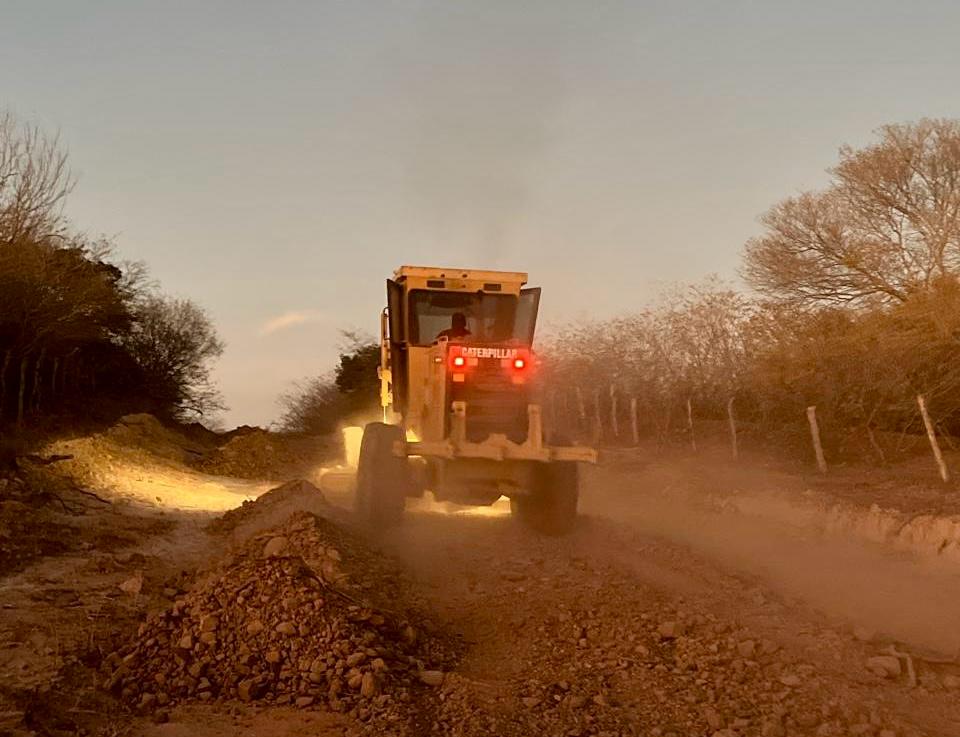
(458,327)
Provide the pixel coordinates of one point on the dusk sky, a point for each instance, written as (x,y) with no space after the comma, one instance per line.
(276,161)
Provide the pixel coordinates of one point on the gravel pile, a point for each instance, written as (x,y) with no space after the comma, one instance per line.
(271,509)
(303,615)
(255,454)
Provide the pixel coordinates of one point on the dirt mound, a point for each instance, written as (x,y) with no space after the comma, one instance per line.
(255,454)
(271,509)
(296,616)
(146,432)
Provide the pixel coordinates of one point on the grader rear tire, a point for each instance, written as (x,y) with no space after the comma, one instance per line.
(383,478)
(550,505)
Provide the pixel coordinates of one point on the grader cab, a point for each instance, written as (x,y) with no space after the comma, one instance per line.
(459,397)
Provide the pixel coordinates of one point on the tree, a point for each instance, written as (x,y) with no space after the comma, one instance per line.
(318,405)
(173,342)
(34,182)
(886,227)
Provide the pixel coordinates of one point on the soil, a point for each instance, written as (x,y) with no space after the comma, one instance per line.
(656,616)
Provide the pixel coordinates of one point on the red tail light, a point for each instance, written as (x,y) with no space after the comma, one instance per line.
(459,361)
(519,363)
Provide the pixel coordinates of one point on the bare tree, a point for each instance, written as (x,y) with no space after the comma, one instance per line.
(173,342)
(888,225)
(34,183)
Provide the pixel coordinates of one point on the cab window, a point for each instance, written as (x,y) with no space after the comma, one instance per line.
(487,317)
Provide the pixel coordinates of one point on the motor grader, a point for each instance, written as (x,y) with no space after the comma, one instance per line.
(459,391)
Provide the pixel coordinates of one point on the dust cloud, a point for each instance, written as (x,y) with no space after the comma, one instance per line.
(894,595)
(480,133)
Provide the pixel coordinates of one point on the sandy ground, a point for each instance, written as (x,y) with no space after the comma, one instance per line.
(825,607)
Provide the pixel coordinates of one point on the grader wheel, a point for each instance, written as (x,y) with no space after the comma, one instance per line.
(382,477)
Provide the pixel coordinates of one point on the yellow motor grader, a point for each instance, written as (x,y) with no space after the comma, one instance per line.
(459,398)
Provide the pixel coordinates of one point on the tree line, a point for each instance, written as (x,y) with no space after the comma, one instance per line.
(853,307)
(82,333)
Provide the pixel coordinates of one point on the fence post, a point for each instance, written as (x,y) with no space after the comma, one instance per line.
(733,430)
(597,420)
(614,422)
(634,429)
(932,436)
(815,434)
(581,408)
(693,439)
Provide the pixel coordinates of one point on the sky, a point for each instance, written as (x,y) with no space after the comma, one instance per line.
(276,161)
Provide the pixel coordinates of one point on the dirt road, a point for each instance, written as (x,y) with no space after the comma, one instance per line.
(596,615)
(652,618)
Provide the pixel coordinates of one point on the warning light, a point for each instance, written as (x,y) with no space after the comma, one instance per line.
(459,361)
(519,363)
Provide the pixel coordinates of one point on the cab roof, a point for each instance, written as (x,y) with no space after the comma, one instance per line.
(444,272)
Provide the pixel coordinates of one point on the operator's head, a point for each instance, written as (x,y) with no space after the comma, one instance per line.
(458,321)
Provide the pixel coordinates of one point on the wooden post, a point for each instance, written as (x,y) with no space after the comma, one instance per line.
(693,439)
(3,381)
(815,434)
(597,420)
(22,389)
(35,390)
(54,376)
(733,430)
(932,436)
(581,408)
(614,422)
(634,425)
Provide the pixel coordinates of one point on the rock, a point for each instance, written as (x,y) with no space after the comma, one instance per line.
(530,701)
(185,643)
(208,638)
(864,634)
(286,628)
(790,680)
(209,623)
(669,630)
(161,716)
(355,659)
(713,718)
(772,728)
(368,685)
(746,648)
(250,689)
(304,701)
(885,666)
(133,585)
(255,627)
(768,647)
(378,665)
(431,677)
(951,681)
(276,546)
(273,657)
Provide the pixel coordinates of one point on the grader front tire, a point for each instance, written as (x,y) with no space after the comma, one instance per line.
(383,478)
